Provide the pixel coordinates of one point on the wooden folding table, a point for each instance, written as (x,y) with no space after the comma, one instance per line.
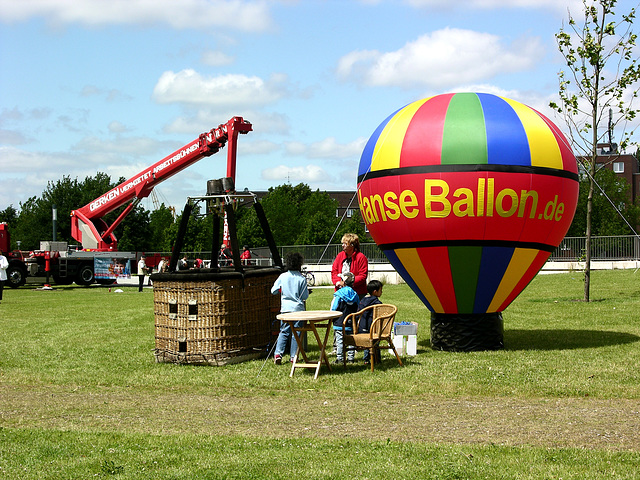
(313,319)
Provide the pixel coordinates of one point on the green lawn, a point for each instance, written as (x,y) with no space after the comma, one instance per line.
(81,395)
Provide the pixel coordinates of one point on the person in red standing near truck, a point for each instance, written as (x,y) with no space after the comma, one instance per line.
(245,256)
(4,264)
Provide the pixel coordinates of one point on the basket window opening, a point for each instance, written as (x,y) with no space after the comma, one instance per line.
(173,306)
(182,347)
(193,307)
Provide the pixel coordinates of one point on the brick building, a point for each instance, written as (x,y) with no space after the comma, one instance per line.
(622,164)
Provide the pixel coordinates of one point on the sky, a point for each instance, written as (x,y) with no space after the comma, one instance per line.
(114,86)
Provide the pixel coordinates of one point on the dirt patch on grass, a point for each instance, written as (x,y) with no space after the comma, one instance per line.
(565,422)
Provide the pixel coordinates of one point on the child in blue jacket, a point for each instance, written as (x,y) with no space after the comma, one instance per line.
(292,288)
(345,300)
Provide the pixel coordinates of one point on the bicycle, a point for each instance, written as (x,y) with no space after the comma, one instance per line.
(311,279)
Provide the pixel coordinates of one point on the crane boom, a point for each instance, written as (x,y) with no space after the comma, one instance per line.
(87,223)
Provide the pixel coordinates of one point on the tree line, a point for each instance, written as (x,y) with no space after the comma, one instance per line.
(297,215)
(605,220)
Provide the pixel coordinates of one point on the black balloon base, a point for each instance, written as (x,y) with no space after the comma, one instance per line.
(467,332)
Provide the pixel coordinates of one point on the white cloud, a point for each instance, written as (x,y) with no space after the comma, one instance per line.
(16,115)
(250,16)
(189,87)
(267,122)
(200,123)
(137,146)
(494,4)
(14,160)
(205,119)
(20,189)
(12,137)
(296,149)
(89,91)
(27,174)
(215,58)
(342,159)
(260,147)
(328,148)
(117,127)
(444,58)
(289,174)
(89,155)
(109,94)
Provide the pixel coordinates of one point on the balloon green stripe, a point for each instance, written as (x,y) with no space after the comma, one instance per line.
(465,267)
(464,138)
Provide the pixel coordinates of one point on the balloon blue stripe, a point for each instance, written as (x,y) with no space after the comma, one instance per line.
(507,142)
(493,265)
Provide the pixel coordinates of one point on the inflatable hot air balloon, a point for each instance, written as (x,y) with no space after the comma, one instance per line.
(467,194)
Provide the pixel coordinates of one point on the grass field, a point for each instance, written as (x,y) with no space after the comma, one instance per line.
(81,396)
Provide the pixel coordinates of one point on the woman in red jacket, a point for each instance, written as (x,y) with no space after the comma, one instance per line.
(350,259)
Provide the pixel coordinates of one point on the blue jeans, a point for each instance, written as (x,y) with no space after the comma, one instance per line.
(337,340)
(367,355)
(286,336)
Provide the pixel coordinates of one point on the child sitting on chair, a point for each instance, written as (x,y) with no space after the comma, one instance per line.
(374,289)
(345,300)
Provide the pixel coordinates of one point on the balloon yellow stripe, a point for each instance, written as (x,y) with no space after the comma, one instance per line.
(520,261)
(386,153)
(413,264)
(542,143)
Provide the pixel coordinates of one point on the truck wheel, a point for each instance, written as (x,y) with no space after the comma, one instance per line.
(16,276)
(85,275)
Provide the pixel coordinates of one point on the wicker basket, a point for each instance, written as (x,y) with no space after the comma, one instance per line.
(214,318)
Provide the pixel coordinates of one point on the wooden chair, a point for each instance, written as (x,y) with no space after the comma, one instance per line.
(381,329)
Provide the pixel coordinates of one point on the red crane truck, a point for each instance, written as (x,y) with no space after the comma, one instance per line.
(90,229)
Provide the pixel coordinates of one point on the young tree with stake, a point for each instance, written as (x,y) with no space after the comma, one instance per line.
(599,89)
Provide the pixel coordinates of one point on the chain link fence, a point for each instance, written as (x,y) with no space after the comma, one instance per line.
(624,247)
